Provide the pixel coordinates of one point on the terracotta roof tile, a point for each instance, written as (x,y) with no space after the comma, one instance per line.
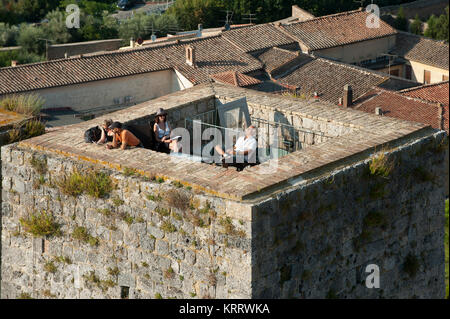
(235,78)
(276,57)
(257,37)
(337,29)
(437,92)
(209,60)
(395,104)
(328,79)
(421,49)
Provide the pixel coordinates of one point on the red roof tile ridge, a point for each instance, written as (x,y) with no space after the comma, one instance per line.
(399,94)
(424,86)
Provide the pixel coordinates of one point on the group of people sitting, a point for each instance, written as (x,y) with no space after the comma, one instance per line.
(116,135)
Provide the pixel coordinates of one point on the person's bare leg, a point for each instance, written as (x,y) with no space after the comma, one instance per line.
(219,150)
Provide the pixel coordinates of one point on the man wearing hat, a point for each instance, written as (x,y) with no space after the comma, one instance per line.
(122,137)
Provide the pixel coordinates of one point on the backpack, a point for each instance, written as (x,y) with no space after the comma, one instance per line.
(92,135)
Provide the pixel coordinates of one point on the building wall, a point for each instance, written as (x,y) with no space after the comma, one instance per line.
(208,260)
(312,240)
(301,14)
(316,240)
(356,52)
(112,92)
(418,72)
(58,51)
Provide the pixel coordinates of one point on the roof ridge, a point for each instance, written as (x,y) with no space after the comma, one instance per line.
(330,16)
(354,67)
(114,53)
(398,93)
(423,86)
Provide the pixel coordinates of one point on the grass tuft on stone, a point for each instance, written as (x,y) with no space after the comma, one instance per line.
(381,166)
(82,234)
(41,224)
(39,164)
(93,183)
(178,200)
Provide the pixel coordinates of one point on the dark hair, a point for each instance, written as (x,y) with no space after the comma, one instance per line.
(115,125)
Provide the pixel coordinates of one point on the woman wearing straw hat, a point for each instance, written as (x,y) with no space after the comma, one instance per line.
(162,134)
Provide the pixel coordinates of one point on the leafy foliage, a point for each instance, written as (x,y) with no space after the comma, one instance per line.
(438,26)
(28,104)
(94,183)
(401,23)
(416,26)
(40,224)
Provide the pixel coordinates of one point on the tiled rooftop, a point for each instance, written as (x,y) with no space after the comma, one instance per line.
(235,78)
(210,60)
(258,37)
(368,131)
(437,92)
(276,57)
(398,105)
(328,78)
(422,50)
(336,30)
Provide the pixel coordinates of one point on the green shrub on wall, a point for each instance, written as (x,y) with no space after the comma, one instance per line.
(40,224)
(94,183)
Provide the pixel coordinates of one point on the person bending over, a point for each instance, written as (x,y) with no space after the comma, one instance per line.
(107,134)
(122,137)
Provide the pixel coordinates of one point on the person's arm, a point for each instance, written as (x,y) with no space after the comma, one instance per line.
(114,142)
(102,139)
(124,137)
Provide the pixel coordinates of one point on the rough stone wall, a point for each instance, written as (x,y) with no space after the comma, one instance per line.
(140,236)
(58,51)
(315,241)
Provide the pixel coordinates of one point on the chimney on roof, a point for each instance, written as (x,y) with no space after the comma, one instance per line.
(348,96)
(14,63)
(200,30)
(132,43)
(153,38)
(66,55)
(441,116)
(378,111)
(190,55)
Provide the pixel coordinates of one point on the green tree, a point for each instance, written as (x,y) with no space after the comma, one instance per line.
(55,29)
(401,23)
(8,34)
(442,31)
(29,39)
(431,30)
(416,26)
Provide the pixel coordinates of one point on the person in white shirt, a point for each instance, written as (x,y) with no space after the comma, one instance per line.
(245,147)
